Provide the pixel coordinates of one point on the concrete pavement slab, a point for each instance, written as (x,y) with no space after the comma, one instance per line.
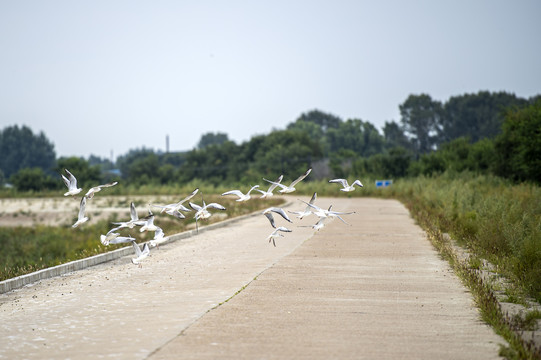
(375,289)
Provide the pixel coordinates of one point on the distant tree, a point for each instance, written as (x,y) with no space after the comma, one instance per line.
(476,116)
(103,163)
(124,162)
(32,179)
(519,145)
(144,169)
(286,152)
(391,164)
(421,121)
(324,121)
(359,136)
(211,138)
(394,136)
(20,148)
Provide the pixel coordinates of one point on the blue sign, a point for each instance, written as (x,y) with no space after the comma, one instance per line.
(383,183)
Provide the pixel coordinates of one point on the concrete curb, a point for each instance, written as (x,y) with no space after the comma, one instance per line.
(23,280)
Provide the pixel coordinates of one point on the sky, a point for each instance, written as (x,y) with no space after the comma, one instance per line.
(105,77)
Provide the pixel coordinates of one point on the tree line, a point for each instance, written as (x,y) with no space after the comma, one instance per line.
(486,132)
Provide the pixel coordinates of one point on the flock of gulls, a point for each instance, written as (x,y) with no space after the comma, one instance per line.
(202,211)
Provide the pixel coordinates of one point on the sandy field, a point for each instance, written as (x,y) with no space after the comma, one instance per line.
(62,211)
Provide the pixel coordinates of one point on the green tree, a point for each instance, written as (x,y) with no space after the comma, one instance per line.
(394,136)
(32,179)
(324,121)
(286,152)
(21,148)
(317,125)
(211,138)
(124,162)
(421,122)
(519,145)
(476,116)
(356,135)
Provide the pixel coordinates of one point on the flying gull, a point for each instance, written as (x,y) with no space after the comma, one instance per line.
(81,217)
(268,213)
(140,255)
(71,183)
(241,196)
(268,193)
(308,210)
(276,234)
(345,186)
(289,189)
(90,193)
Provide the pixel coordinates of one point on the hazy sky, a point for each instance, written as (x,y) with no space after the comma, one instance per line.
(102,76)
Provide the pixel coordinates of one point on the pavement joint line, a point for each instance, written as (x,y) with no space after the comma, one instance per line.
(81,264)
(187,327)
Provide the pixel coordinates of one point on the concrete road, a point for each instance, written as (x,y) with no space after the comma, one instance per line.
(375,289)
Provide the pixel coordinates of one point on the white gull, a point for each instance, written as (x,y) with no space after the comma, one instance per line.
(90,193)
(241,196)
(71,183)
(345,186)
(140,255)
(268,193)
(81,218)
(276,234)
(289,189)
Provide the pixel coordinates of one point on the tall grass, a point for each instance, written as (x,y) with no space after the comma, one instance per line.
(494,219)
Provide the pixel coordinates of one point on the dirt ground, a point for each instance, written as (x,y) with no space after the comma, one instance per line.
(62,211)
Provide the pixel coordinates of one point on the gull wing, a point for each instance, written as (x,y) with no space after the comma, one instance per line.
(344,182)
(66,181)
(251,189)
(195,206)
(284,229)
(215,206)
(276,184)
(358,183)
(158,234)
(113,230)
(338,216)
(109,184)
(133,212)
(234,192)
(271,219)
(189,197)
(273,185)
(167,207)
(146,250)
(176,214)
(72,180)
(82,208)
(311,205)
(122,239)
(280,212)
(300,178)
(136,248)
